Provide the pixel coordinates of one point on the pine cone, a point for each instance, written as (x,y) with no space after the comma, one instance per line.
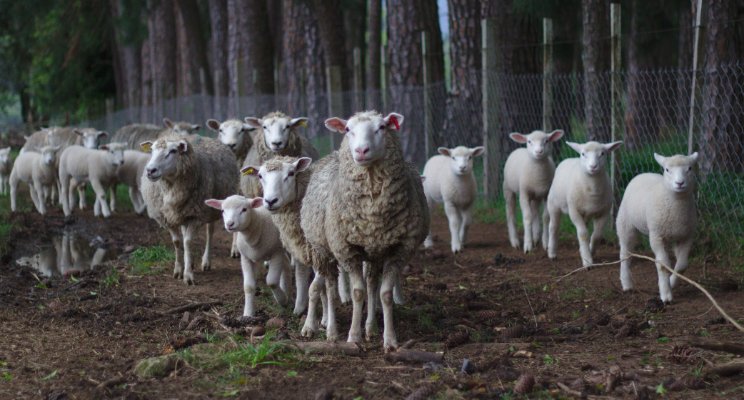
(457,338)
(684,354)
(524,384)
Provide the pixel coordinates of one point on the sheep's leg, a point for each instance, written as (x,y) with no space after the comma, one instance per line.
(527,215)
(536,228)
(628,238)
(661,255)
(583,233)
(178,250)
(112,198)
(36,198)
(511,221)
(429,241)
(302,275)
(323,306)
(357,298)
(373,294)
(398,296)
(249,285)
(13,193)
(80,187)
(343,286)
(38,192)
(97,208)
(311,321)
(389,340)
(234,253)
(101,197)
(332,326)
(599,227)
(277,266)
(545,222)
(555,223)
(285,278)
(188,236)
(681,253)
(453,217)
(466,217)
(64,195)
(206,263)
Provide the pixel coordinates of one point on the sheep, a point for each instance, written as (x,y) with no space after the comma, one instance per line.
(529,172)
(130,174)
(235,134)
(6,165)
(449,179)
(38,171)
(135,134)
(88,165)
(258,241)
(38,139)
(284,180)
(181,174)
(366,204)
(276,135)
(581,188)
(662,207)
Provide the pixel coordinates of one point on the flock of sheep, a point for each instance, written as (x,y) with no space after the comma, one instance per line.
(357,214)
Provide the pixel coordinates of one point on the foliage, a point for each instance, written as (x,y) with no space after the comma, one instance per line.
(148,260)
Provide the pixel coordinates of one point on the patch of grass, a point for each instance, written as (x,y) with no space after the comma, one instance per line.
(111,279)
(6,227)
(149,260)
(549,360)
(265,352)
(662,339)
(576,293)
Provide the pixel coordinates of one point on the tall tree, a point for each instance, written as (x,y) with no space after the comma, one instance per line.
(218,51)
(236,59)
(162,46)
(193,68)
(130,30)
(596,59)
(330,24)
(260,47)
(372,75)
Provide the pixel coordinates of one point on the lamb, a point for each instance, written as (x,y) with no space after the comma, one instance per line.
(529,172)
(130,174)
(449,179)
(284,180)
(6,165)
(38,171)
(135,134)
(88,165)
(181,174)
(258,241)
(662,207)
(234,134)
(366,204)
(581,188)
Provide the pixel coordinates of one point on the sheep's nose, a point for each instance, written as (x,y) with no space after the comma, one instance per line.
(230,224)
(151,171)
(271,202)
(679,184)
(276,144)
(231,145)
(362,151)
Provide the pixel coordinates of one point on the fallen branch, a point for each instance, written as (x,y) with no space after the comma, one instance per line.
(580,395)
(728,369)
(414,357)
(192,307)
(345,348)
(734,348)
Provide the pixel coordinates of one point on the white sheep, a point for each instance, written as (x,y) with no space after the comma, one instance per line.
(258,241)
(89,165)
(130,174)
(234,134)
(182,173)
(135,134)
(581,188)
(449,179)
(6,165)
(367,205)
(662,207)
(529,172)
(38,171)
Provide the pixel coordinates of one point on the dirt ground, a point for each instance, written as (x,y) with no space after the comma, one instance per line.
(507,313)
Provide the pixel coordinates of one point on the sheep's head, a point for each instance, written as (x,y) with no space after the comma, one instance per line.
(461,158)
(115,152)
(593,155)
(231,132)
(4,155)
(54,137)
(679,176)
(278,178)
(181,128)
(366,133)
(91,137)
(276,129)
(237,211)
(538,142)
(49,154)
(163,157)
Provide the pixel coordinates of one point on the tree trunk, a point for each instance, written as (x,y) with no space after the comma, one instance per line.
(355,19)
(406,19)
(373,78)
(147,83)
(128,62)
(330,24)
(596,58)
(218,53)
(163,53)
(260,50)
(236,61)
(192,55)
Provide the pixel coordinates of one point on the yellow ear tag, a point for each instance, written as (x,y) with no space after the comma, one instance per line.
(303,124)
(249,171)
(146,147)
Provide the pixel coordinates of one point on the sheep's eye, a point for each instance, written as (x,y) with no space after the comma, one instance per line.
(382,127)
(259,176)
(347,129)
(666,169)
(172,151)
(264,127)
(529,141)
(244,210)
(583,154)
(689,168)
(291,173)
(601,154)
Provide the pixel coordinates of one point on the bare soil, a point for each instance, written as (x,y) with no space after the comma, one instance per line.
(507,313)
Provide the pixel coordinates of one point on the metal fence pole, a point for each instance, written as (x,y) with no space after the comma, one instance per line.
(428,111)
(615,93)
(548,69)
(695,69)
(491,128)
(335,98)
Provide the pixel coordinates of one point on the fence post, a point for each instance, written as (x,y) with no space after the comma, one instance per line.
(491,128)
(384,87)
(110,115)
(695,69)
(358,80)
(239,84)
(206,106)
(615,94)
(335,98)
(548,69)
(428,122)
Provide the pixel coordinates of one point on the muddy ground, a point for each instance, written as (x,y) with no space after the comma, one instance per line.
(507,313)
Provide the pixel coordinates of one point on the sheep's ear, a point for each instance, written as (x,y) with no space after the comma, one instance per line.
(248,128)
(146,147)
(103,147)
(168,123)
(660,159)
(394,121)
(613,146)
(78,132)
(336,124)
(444,151)
(214,203)
(253,121)
(295,122)
(555,135)
(183,146)
(693,157)
(518,137)
(577,147)
(213,124)
(257,202)
(26,137)
(102,134)
(477,151)
(249,171)
(302,163)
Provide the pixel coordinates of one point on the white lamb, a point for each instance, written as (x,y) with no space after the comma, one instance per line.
(449,179)
(130,174)
(6,165)
(258,241)
(529,172)
(88,165)
(581,188)
(662,207)
(38,171)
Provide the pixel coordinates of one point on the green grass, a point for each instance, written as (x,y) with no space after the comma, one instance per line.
(111,279)
(150,260)
(6,226)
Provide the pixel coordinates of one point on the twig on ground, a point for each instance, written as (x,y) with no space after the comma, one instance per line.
(603,264)
(414,357)
(734,348)
(578,394)
(534,317)
(192,306)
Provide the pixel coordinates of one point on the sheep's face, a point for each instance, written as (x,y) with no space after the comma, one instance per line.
(180,128)
(49,154)
(115,152)
(366,134)
(237,211)
(593,155)
(538,142)
(679,175)
(54,138)
(461,158)
(276,129)
(91,138)
(279,181)
(164,157)
(4,155)
(231,133)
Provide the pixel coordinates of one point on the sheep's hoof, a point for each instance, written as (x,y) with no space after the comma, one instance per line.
(189,280)
(354,339)
(390,347)
(206,266)
(298,310)
(235,254)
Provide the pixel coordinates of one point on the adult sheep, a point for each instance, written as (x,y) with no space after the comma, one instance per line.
(367,205)
(135,134)
(234,134)
(182,173)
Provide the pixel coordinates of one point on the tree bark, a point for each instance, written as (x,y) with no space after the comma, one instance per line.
(259,48)
(373,78)
(163,53)
(218,52)
(596,58)
(192,55)
(236,61)
(330,18)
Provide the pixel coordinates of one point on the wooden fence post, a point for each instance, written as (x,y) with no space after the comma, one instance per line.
(491,129)
(548,69)
(428,111)
(615,95)
(335,99)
